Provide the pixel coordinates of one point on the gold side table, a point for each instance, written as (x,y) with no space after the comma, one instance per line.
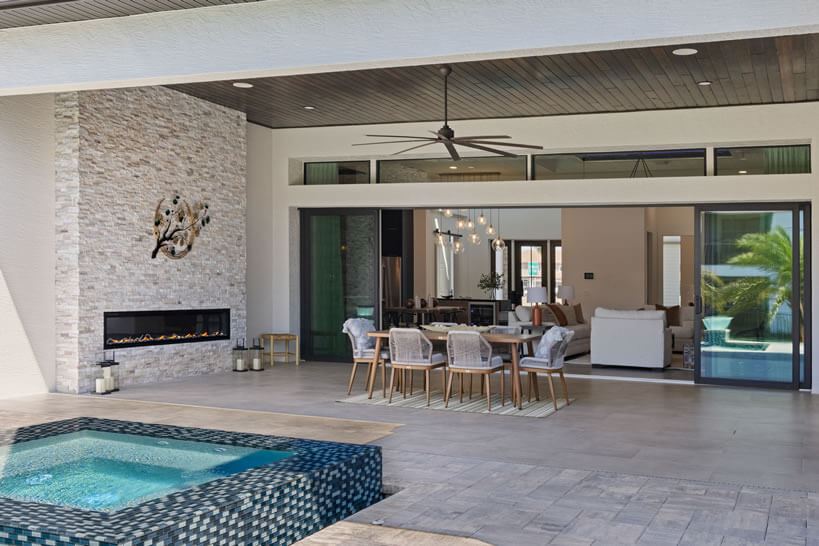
(285,338)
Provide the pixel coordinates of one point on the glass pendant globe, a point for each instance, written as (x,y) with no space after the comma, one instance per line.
(490,230)
(498,244)
(482,219)
(461,223)
(448,213)
(470,224)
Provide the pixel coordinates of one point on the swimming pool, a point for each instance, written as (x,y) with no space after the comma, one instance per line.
(98,482)
(108,470)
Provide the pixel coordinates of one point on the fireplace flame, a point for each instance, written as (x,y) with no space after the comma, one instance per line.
(148,338)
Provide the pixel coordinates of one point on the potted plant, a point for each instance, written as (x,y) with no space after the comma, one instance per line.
(490,283)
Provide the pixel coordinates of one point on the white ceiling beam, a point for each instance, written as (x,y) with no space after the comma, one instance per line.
(282,37)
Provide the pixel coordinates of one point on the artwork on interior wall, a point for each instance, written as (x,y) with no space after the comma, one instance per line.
(177,224)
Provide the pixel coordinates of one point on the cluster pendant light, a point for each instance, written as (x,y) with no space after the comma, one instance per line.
(470,223)
(498,243)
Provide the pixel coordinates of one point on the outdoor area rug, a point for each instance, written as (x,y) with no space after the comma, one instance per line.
(418,400)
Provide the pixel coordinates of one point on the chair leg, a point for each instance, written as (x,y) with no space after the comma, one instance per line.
(536,387)
(392,384)
(352,378)
(426,382)
(485,380)
(503,386)
(552,390)
(461,388)
(404,381)
(529,386)
(565,387)
(470,386)
(448,389)
(383,379)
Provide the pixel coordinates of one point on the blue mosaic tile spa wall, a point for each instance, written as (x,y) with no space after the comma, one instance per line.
(277,504)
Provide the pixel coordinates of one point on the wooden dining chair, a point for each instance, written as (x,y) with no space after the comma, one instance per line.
(549,358)
(410,350)
(469,353)
(363,353)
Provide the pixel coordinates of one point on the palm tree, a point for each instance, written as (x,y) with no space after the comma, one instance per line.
(772,254)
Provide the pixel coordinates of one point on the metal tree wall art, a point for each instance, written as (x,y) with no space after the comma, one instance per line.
(177,225)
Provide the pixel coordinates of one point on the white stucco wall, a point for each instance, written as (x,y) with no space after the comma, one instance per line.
(27,334)
(643,130)
(277,37)
(260,276)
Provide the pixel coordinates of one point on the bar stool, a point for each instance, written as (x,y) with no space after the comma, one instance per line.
(285,338)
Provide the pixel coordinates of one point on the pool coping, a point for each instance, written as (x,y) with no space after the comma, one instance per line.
(130,525)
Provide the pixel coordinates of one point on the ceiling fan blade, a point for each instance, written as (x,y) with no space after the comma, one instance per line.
(482,137)
(485,149)
(416,147)
(511,144)
(400,136)
(388,142)
(452,151)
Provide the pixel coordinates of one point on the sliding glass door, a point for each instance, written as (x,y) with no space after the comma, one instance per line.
(750,306)
(339,277)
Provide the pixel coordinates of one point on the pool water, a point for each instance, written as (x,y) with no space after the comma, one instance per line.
(108,471)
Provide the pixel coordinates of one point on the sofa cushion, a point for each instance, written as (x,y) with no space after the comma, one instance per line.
(558,314)
(602,312)
(581,331)
(578,313)
(523,313)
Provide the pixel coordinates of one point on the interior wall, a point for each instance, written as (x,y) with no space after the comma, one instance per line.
(609,243)
(661,221)
(27,245)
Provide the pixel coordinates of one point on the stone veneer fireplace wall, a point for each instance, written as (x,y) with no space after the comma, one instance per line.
(117,153)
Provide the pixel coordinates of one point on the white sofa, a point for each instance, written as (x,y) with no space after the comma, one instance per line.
(630,338)
(579,344)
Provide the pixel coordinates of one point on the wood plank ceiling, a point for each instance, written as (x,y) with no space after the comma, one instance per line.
(23,13)
(749,71)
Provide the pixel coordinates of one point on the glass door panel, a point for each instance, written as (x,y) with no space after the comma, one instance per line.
(748,331)
(530,266)
(339,277)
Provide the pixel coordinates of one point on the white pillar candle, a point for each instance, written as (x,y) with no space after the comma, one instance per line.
(100,385)
(109,383)
(240,364)
(257,363)
(106,372)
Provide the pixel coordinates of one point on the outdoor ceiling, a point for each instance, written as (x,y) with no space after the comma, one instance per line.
(748,71)
(23,13)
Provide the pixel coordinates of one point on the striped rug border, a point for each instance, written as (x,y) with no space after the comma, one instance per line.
(542,408)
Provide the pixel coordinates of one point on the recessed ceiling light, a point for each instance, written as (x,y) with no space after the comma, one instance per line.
(471,167)
(453,167)
(242,85)
(742,172)
(704,83)
(684,51)
(309,107)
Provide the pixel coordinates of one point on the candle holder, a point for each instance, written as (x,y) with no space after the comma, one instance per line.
(107,380)
(240,355)
(255,357)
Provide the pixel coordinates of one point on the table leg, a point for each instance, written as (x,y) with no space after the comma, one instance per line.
(517,398)
(374,367)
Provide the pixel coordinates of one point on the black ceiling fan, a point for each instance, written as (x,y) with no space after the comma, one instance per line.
(446,136)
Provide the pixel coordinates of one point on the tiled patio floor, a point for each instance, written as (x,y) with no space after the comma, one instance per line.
(627,463)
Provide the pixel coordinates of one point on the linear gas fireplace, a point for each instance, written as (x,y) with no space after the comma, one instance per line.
(143,328)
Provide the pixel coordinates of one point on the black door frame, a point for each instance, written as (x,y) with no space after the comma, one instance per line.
(305,266)
(796,289)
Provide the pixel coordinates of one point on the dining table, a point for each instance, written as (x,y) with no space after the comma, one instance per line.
(513,341)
